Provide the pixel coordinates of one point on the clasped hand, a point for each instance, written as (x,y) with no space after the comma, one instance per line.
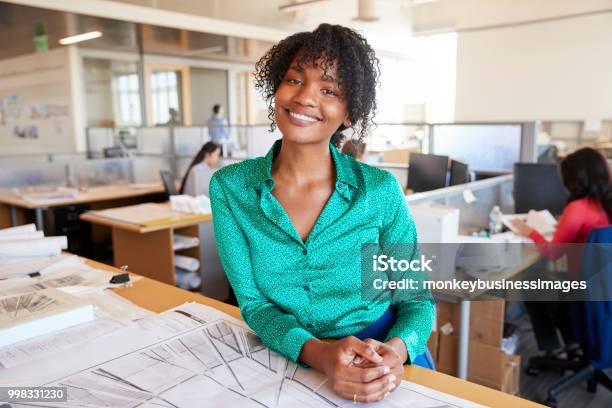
(362,371)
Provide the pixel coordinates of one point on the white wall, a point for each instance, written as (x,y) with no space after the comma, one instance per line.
(98,90)
(550,71)
(36,90)
(208,88)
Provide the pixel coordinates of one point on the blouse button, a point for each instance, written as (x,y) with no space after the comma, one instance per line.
(305,251)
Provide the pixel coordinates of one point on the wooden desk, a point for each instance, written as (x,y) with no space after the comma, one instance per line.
(11,202)
(158,297)
(146,246)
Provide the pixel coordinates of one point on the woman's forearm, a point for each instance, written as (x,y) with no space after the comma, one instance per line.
(313,353)
(398,345)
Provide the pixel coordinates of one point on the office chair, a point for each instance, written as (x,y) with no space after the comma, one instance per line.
(592,321)
(168,180)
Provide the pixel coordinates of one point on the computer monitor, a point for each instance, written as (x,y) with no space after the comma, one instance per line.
(427,172)
(538,186)
(458,173)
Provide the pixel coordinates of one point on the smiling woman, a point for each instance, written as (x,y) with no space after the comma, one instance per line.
(347,72)
(290,226)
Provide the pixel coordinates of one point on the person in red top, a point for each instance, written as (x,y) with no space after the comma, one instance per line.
(586,177)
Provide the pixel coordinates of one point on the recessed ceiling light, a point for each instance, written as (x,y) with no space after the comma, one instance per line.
(298,5)
(80,37)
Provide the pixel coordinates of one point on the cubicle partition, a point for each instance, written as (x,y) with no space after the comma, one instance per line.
(474,200)
(174,147)
(80,172)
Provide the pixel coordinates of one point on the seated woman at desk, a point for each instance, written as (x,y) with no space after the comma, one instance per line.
(197,176)
(290,226)
(586,177)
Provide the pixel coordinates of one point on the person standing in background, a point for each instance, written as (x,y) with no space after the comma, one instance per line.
(218,129)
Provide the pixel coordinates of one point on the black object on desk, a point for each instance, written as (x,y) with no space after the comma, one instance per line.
(120,279)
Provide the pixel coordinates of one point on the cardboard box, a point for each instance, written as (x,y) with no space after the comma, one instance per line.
(492,367)
(486,320)
(446,361)
(487,365)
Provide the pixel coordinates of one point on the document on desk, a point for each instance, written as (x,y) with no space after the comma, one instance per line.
(112,312)
(25,316)
(83,276)
(31,350)
(194,356)
(27,266)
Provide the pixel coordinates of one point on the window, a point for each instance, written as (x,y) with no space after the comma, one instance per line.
(165,92)
(127,99)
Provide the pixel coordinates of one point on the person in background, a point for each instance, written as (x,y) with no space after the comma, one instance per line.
(586,177)
(217,127)
(354,148)
(175,117)
(197,176)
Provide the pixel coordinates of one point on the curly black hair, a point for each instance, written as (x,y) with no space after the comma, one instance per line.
(357,66)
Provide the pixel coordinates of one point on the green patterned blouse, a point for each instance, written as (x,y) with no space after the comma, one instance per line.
(290,291)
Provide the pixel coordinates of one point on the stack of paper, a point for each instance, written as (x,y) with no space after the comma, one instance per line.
(23,250)
(33,314)
(20,236)
(28,228)
(188,204)
(541,221)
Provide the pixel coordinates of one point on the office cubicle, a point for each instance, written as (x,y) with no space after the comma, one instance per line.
(473,212)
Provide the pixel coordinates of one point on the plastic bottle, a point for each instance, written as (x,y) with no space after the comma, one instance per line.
(495,220)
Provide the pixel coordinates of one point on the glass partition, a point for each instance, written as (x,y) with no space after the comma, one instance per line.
(146,169)
(189,140)
(458,141)
(100,172)
(153,140)
(33,175)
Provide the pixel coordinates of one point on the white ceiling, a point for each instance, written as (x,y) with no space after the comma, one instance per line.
(473,14)
(261,19)
(402,15)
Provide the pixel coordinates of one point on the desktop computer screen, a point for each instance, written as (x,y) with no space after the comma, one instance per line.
(427,172)
(538,186)
(458,173)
